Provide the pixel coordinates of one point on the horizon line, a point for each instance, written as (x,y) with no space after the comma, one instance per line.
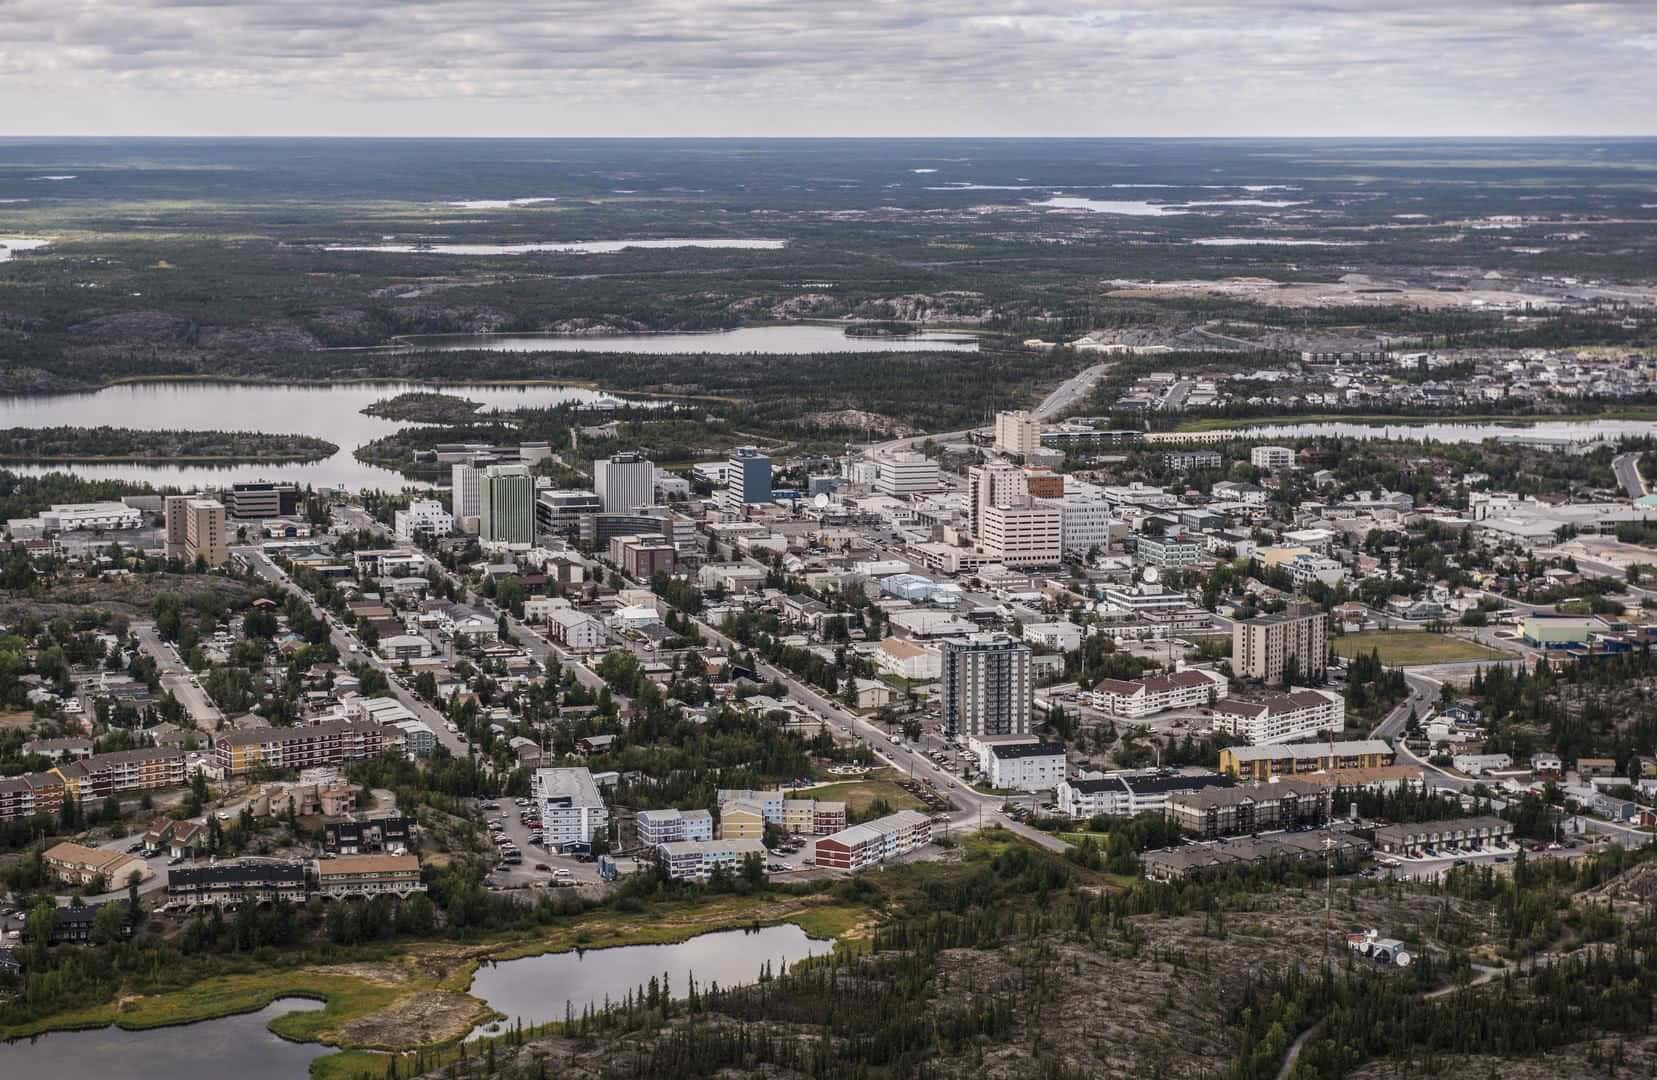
(4,137)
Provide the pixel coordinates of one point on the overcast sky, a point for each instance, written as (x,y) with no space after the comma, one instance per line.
(827,67)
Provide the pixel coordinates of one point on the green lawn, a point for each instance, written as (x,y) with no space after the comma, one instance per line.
(1402,648)
(858,795)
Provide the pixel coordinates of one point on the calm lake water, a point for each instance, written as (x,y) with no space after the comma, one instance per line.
(9,244)
(238,1046)
(536,988)
(329,412)
(1427,431)
(802,340)
(584,247)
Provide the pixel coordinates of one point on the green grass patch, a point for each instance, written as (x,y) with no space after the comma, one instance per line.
(1099,838)
(1402,648)
(859,795)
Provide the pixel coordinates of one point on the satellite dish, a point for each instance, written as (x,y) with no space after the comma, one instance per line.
(1150,576)
(821,501)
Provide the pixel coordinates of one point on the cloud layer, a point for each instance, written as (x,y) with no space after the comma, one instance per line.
(827,67)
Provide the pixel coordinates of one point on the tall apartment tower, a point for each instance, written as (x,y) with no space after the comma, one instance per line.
(987,686)
(204,532)
(506,505)
(996,484)
(747,479)
(1262,647)
(624,482)
(176,512)
(1017,433)
(465,478)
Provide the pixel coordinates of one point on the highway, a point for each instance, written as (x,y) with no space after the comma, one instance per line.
(178,679)
(1066,394)
(1627,468)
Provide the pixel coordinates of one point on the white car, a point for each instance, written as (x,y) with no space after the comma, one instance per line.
(561,872)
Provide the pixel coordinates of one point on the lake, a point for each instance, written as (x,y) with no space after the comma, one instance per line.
(240,1046)
(9,244)
(802,339)
(332,412)
(536,988)
(583,247)
(1578,431)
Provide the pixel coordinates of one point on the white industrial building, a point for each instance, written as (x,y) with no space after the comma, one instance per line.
(67,517)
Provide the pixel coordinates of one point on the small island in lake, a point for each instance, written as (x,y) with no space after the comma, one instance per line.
(113,444)
(425,407)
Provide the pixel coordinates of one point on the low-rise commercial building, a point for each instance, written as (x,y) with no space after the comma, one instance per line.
(872,842)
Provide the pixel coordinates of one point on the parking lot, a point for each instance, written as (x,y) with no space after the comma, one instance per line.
(506,818)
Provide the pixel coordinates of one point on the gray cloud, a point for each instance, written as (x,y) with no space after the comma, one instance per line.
(827,67)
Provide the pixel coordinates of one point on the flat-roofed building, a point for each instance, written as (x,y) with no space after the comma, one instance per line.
(1021,766)
(69,517)
(572,810)
(988,688)
(1196,861)
(205,537)
(368,876)
(1296,642)
(1022,533)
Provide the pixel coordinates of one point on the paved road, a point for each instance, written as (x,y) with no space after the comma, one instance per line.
(976,808)
(1627,468)
(177,678)
(1072,390)
(1066,394)
(351,650)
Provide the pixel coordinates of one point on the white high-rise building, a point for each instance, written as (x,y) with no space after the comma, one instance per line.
(907,474)
(506,505)
(465,478)
(996,484)
(1024,533)
(1086,522)
(624,482)
(1017,433)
